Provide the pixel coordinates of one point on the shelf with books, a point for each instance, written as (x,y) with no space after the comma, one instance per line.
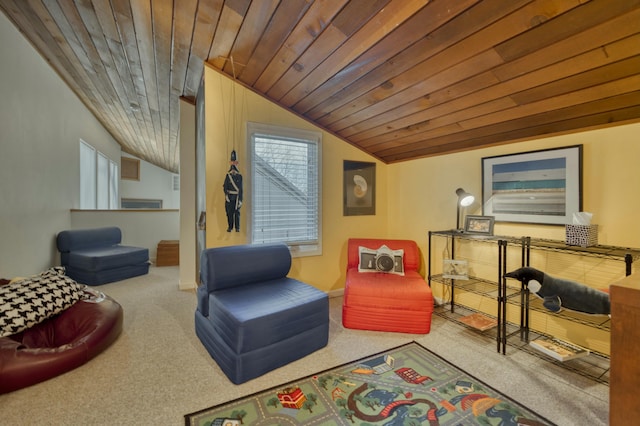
(595,366)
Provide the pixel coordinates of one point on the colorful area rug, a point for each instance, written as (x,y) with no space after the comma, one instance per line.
(407,385)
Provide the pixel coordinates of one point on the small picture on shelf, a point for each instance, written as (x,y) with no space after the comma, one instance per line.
(559,349)
(482,225)
(455,269)
(479,321)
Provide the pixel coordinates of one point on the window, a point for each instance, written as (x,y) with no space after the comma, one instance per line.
(130,168)
(285,187)
(103,182)
(113,185)
(87,176)
(98,179)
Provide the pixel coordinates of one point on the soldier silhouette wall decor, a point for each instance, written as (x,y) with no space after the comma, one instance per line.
(232,187)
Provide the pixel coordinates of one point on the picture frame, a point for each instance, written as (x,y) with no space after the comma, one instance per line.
(482,225)
(543,187)
(359,188)
(455,269)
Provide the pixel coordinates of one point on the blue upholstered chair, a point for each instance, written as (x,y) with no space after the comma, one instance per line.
(251,317)
(96,256)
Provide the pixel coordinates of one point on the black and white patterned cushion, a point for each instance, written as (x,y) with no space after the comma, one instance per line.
(29,301)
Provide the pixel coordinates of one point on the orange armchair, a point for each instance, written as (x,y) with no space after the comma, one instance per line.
(382,294)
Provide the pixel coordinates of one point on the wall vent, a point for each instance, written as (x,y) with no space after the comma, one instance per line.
(140,203)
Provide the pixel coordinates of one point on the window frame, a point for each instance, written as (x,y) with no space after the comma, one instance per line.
(297,249)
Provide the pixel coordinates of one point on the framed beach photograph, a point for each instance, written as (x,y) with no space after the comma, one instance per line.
(359,188)
(533,187)
(482,225)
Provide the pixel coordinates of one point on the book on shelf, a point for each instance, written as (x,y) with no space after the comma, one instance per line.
(479,321)
(559,349)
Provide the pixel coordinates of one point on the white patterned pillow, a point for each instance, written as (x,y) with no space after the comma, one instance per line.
(29,301)
(382,259)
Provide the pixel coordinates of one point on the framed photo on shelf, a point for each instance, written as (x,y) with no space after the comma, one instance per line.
(482,225)
(455,269)
(533,187)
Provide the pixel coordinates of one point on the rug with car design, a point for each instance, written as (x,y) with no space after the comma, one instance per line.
(407,385)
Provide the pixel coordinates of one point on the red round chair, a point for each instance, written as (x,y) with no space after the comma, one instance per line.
(59,344)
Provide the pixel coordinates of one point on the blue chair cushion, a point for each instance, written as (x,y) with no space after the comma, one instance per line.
(107,275)
(78,239)
(263,313)
(235,266)
(106,257)
(240,368)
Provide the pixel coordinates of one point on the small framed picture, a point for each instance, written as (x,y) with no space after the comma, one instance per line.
(455,269)
(479,225)
(359,193)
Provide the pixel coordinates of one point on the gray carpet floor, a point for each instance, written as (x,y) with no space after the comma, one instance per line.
(157,370)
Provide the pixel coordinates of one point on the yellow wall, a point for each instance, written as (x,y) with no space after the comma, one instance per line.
(326,272)
(424,189)
(424,199)
(415,196)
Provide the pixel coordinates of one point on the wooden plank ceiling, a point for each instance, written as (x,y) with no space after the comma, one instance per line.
(400,79)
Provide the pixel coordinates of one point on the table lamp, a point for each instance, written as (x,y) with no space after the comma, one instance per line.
(464,199)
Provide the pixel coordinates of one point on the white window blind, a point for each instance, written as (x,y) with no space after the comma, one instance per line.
(285,187)
(98,179)
(103,181)
(87,176)
(113,185)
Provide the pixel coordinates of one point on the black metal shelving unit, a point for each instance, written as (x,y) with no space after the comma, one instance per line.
(594,367)
(507,292)
(498,289)
(624,254)
(627,254)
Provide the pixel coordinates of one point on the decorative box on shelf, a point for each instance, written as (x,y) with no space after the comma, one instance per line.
(581,235)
